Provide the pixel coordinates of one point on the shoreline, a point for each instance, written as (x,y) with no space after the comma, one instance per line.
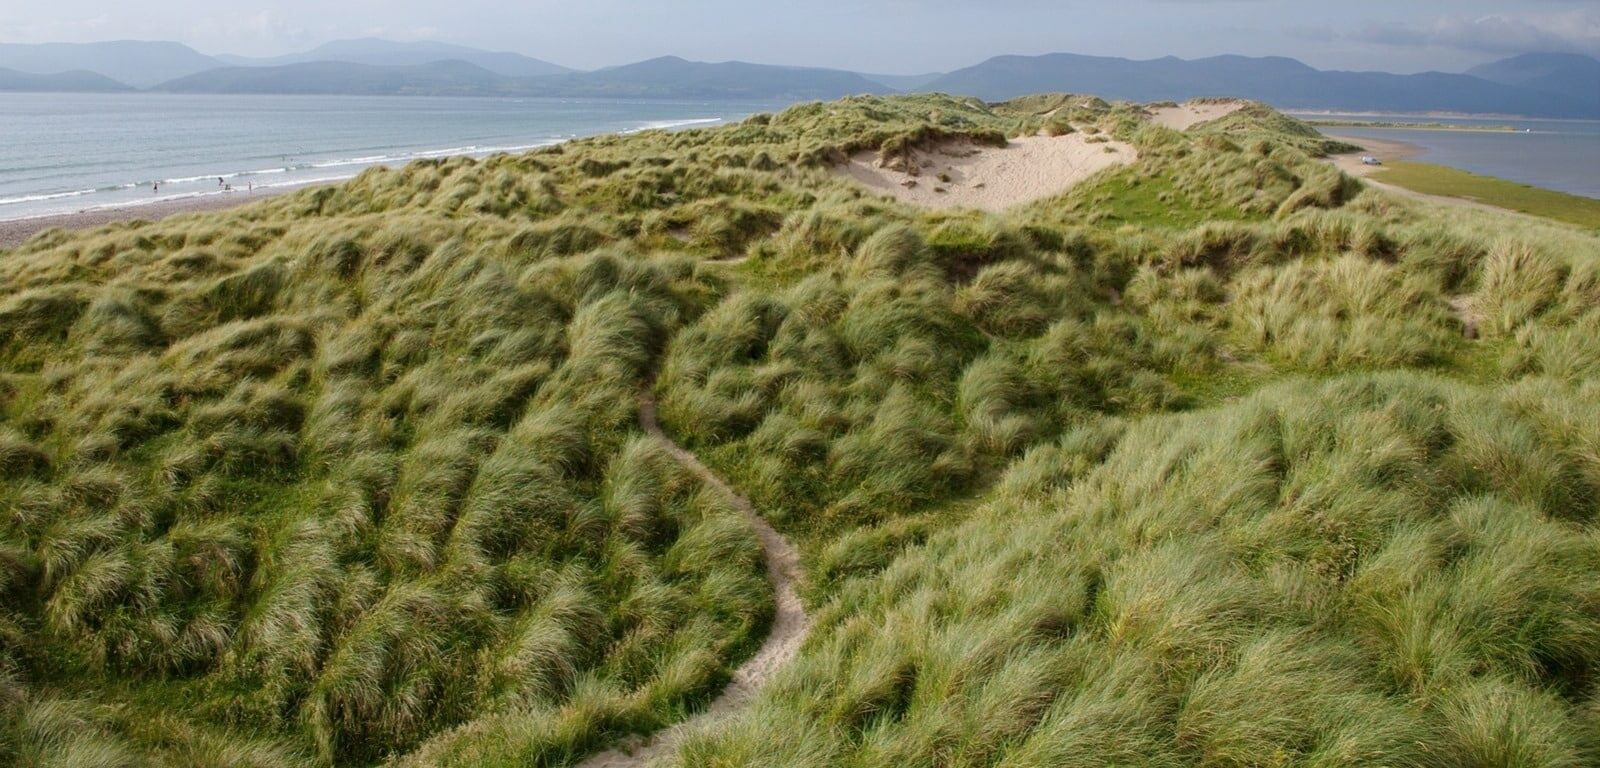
(1326,113)
(15,232)
(1388,150)
(1404,175)
(1383,126)
(1383,149)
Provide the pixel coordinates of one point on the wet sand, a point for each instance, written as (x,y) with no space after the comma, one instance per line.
(17,231)
(1383,149)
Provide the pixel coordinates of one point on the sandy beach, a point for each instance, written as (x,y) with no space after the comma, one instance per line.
(1390,151)
(1385,150)
(15,232)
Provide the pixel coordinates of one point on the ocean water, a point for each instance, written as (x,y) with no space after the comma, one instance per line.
(61,153)
(1563,155)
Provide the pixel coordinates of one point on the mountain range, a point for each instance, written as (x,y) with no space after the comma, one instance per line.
(1534,85)
(1282,82)
(76,81)
(1564,74)
(378,52)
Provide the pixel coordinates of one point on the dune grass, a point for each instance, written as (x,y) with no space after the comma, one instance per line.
(1431,179)
(1312,575)
(1218,459)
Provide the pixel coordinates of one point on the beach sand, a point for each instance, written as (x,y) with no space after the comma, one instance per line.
(1389,151)
(1383,149)
(17,231)
(1192,113)
(961,175)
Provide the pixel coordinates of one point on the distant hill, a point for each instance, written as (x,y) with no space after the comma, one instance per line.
(137,63)
(673,77)
(1282,82)
(1535,85)
(61,82)
(380,52)
(657,78)
(1572,75)
(903,82)
(449,78)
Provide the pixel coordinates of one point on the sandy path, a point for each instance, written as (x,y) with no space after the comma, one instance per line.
(789,625)
(1190,114)
(960,175)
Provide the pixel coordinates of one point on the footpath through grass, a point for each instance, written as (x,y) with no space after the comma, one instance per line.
(1438,180)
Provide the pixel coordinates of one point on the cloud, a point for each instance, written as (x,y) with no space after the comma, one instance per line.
(1576,31)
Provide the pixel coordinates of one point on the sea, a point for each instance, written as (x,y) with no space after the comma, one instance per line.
(64,153)
(1563,155)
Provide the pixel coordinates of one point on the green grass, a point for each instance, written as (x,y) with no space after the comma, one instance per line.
(1149,201)
(1217,460)
(1449,182)
(1302,577)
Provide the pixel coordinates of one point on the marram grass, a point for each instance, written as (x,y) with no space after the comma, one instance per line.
(1217,459)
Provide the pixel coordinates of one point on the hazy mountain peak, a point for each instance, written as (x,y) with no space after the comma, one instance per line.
(136,62)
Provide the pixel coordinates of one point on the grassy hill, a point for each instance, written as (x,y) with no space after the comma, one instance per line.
(1217,459)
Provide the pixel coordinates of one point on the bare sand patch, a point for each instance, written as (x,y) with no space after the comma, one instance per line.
(963,175)
(1192,113)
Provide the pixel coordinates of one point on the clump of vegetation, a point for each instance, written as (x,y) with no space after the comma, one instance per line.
(1385,569)
(345,491)
(1217,459)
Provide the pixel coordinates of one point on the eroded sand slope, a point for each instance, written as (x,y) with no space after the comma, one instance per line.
(962,175)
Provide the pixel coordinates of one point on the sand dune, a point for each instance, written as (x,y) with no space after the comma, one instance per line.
(1192,113)
(961,175)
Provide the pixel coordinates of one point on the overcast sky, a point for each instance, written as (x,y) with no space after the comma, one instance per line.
(887,36)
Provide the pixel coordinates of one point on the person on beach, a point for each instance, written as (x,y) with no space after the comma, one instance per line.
(156,187)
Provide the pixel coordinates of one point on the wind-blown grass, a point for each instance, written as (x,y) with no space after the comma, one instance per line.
(1377,570)
(1219,459)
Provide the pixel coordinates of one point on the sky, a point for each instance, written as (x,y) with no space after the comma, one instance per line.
(881,36)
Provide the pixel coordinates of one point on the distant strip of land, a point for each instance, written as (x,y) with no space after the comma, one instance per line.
(1430,179)
(1401,174)
(1413,126)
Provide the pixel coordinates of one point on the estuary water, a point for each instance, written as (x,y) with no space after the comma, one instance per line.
(1563,155)
(62,153)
